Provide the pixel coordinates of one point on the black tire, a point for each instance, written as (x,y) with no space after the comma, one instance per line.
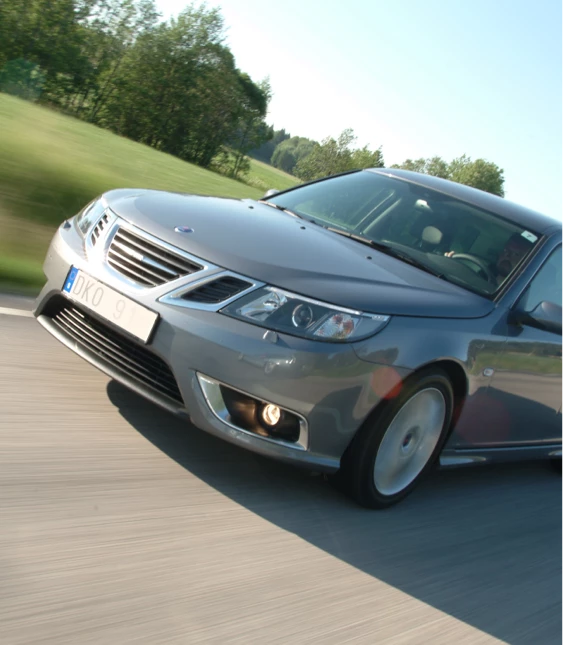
(356,475)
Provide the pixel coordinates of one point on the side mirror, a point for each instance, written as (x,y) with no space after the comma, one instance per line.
(270,193)
(546,316)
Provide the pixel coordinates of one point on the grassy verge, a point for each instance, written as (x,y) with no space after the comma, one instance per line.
(51,165)
(264,177)
(22,275)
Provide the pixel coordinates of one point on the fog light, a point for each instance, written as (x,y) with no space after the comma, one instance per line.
(271,414)
(258,416)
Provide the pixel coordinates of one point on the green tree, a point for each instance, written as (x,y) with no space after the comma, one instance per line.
(284,156)
(22,78)
(252,130)
(290,151)
(365,158)
(178,89)
(414,165)
(435,166)
(111,29)
(265,151)
(74,46)
(333,156)
(481,174)
(44,36)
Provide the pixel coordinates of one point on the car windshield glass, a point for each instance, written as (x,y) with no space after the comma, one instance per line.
(459,242)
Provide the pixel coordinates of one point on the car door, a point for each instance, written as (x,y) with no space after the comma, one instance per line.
(526,385)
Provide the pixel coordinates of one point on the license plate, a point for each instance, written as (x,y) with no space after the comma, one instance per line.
(110,304)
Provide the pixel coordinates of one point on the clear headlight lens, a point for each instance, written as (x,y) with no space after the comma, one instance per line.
(89,215)
(292,314)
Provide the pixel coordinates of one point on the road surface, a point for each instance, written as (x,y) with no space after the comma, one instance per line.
(121,524)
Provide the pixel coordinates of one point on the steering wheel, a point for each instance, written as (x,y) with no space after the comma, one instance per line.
(482,268)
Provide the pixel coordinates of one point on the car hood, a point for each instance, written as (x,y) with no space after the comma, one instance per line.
(266,244)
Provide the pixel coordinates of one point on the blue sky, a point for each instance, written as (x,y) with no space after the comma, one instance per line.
(418,77)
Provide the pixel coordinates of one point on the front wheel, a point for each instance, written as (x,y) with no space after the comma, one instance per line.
(399,444)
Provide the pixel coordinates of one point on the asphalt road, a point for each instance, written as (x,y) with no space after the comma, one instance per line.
(121,524)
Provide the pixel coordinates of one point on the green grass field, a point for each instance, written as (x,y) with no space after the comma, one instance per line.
(51,165)
(265,177)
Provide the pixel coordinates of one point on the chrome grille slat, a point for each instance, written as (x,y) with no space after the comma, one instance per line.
(158,252)
(145,262)
(116,249)
(131,359)
(124,265)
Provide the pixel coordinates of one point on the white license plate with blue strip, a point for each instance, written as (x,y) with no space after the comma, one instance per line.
(110,304)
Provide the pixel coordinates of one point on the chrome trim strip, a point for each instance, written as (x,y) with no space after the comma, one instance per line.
(214,399)
(312,301)
(468,456)
(329,305)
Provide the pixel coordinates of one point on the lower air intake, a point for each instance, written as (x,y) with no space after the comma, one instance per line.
(217,291)
(133,360)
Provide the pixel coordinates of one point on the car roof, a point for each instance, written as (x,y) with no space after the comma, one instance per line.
(520,215)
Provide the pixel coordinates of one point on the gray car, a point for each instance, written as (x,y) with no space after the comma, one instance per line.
(363,325)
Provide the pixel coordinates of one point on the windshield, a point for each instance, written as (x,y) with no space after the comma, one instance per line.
(461,243)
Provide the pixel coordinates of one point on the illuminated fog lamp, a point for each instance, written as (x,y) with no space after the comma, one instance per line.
(271,414)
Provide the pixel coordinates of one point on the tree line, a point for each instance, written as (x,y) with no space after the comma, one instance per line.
(174,85)
(308,159)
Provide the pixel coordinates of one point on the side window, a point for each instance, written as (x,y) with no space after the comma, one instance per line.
(546,284)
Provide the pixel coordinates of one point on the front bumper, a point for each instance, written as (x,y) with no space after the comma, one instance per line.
(324,384)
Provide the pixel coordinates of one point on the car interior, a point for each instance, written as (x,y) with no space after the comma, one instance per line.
(460,242)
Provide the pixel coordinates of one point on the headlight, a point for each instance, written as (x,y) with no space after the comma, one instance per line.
(89,215)
(292,314)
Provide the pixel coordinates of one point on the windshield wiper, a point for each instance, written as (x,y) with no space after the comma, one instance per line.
(281,208)
(388,250)
(363,240)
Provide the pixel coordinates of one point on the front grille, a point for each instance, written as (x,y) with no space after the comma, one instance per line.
(133,360)
(145,262)
(217,290)
(100,226)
